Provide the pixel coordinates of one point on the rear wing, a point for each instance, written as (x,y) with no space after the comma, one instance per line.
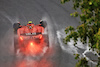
(30,34)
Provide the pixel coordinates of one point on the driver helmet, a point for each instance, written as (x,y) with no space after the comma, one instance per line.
(29,22)
(30,25)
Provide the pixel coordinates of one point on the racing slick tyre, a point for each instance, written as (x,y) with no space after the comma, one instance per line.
(15,27)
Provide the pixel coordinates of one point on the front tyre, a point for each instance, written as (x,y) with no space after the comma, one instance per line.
(43,24)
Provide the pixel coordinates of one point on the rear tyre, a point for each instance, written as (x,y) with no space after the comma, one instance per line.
(16,26)
(46,39)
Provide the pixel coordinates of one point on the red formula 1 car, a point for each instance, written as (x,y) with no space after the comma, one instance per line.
(29,39)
